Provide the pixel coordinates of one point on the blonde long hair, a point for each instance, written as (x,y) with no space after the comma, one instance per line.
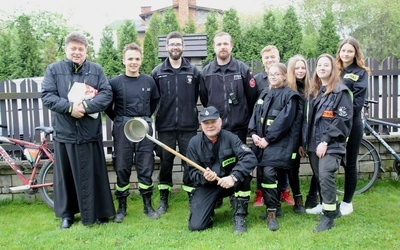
(291,76)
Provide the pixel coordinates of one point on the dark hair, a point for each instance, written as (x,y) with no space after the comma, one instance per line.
(174,34)
(76,37)
(132,46)
(358,57)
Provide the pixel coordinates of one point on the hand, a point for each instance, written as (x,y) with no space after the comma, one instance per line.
(302,152)
(226,182)
(78,111)
(259,142)
(210,175)
(321,150)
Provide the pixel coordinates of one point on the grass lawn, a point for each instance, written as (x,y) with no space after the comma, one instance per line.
(375,224)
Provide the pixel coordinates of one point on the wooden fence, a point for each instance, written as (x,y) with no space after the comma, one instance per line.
(21,109)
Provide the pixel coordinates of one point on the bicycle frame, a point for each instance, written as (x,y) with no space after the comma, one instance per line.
(42,149)
(377,135)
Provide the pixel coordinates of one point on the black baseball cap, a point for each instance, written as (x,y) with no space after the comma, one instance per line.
(209,113)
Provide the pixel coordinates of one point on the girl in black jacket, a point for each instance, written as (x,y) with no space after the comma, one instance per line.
(275,129)
(354,74)
(326,129)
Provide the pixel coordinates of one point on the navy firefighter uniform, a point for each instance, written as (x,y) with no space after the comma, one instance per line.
(226,156)
(133,97)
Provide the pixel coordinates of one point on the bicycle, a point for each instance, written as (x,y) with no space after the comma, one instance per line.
(42,180)
(369,160)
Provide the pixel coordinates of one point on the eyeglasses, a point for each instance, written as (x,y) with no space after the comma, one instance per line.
(274,75)
(177,45)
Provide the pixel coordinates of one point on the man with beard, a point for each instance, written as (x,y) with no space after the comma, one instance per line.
(134,95)
(227,84)
(176,118)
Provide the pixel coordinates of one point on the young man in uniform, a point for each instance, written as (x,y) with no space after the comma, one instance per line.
(176,119)
(135,95)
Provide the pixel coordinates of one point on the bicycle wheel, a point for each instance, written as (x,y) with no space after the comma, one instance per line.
(368,165)
(46,176)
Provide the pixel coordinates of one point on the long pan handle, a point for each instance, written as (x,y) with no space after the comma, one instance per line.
(194,164)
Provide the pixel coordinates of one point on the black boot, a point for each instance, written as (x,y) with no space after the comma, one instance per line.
(241,210)
(311,201)
(121,212)
(272,222)
(336,214)
(326,221)
(162,208)
(298,204)
(148,207)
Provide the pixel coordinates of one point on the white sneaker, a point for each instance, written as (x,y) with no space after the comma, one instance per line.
(315,210)
(346,208)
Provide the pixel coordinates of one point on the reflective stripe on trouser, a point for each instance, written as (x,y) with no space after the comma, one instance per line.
(188,188)
(122,189)
(269,187)
(164,186)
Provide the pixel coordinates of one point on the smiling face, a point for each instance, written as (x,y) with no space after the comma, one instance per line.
(347,54)
(175,48)
(269,58)
(324,69)
(300,70)
(211,128)
(223,47)
(132,61)
(76,52)
(276,77)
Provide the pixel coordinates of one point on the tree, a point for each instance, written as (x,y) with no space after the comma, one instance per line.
(149,61)
(27,61)
(50,30)
(230,24)
(108,55)
(253,42)
(211,30)
(170,22)
(154,30)
(328,39)
(190,27)
(6,57)
(126,34)
(290,35)
(270,31)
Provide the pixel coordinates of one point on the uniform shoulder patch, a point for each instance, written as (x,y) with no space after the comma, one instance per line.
(252,82)
(342,111)
(245,148)
(351,76)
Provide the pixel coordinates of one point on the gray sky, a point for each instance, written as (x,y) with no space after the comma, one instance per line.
(93,16)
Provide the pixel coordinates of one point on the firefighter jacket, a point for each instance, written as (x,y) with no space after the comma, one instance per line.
(179,92)
(58,80)
(328,119)
(356,79)
(228,155)
(232,91)
(277,119)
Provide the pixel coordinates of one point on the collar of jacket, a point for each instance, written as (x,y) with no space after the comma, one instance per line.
(231,65)
(167,65)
